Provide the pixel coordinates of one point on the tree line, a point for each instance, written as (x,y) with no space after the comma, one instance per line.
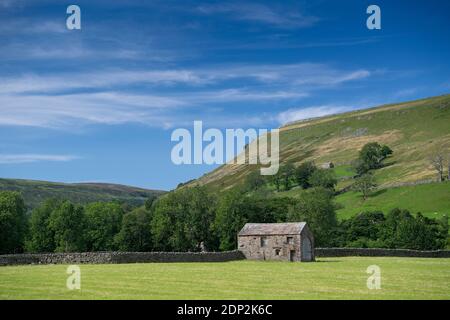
(192,219)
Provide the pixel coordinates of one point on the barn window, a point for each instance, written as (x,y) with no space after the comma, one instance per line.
(277,252)
(263,241)
(290,240)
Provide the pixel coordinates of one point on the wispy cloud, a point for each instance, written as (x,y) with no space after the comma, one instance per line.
(29,158)
(302,74)
(63,111)
(257,12)
(404,93)
(296,114)
(103,79)
(64,100)
(230,95)
(31,26)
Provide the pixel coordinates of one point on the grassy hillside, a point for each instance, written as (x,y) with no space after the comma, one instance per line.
(412,129)
(330,278)
(34,192)
(432,200)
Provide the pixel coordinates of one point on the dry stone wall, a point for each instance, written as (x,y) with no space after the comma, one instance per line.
(374,252)
(144,257)
(118,257)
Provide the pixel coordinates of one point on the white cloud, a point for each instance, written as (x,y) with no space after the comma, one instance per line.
(298,75)
(88,80)
(63,100)
(62,111)
(231,95)
(28,158)
(282,18)
(297,114)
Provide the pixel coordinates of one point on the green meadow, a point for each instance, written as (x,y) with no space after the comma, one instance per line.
(328,278)
(432,200)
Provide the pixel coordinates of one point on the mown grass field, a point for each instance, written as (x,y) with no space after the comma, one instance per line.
(328,278)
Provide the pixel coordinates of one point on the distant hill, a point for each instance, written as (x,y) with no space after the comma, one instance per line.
(34,192)
(412,129)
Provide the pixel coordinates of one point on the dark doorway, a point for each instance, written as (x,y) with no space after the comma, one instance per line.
(291,255)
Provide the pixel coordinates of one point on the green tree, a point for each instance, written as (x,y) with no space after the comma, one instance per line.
(371,156)
(316,207)
(103,223)
(135,233)
(182,220)
(365,184)
(254,181)
(149,202)
(303,172)
(42,237)
(13,224)
(201,213)
(276,180)
(324,178)
(402,230)
(386,151)
(68,223)
(232,213)
(287,174)
(269,209)
(366,225)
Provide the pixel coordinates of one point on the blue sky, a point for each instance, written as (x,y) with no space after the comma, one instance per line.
(100,103)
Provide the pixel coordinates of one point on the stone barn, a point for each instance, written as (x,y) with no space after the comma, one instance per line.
(277,241)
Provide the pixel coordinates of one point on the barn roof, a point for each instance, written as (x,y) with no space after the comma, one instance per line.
(253,229)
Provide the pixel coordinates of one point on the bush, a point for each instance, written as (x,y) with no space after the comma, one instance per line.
(324,178)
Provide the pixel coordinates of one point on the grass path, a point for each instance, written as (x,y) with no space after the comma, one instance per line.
(329,278)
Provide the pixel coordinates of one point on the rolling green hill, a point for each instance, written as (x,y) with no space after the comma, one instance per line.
(412,129)
(34,192)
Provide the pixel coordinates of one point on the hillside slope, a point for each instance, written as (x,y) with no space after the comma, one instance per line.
(414,130)
(34,192)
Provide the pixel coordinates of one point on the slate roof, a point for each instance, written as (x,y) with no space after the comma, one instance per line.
(258,229)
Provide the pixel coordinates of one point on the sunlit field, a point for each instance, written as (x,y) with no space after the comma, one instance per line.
(328,278)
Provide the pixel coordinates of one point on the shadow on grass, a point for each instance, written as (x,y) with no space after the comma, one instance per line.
(387,164)
(377,193)
(326,261)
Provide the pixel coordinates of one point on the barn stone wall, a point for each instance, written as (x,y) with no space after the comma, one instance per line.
(118,257)
(374,252)
(251,247)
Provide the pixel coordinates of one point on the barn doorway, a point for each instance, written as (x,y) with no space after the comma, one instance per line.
(306,249)
(291,255)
